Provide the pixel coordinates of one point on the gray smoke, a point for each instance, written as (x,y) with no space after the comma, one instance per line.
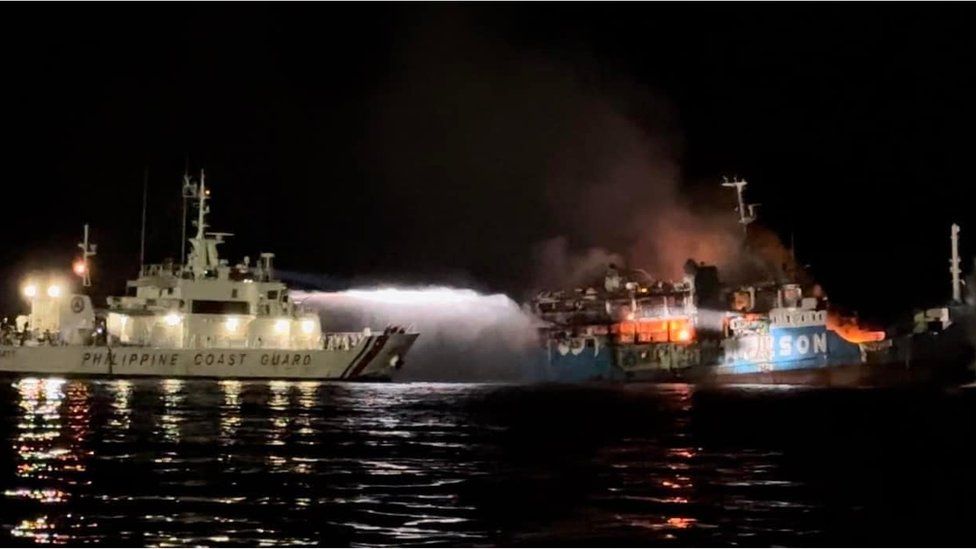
(559,266)
(464,335)
(510,146)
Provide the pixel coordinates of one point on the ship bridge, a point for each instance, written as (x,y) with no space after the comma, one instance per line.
(207,302)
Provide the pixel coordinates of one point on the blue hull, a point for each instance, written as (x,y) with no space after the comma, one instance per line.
(589,365)
(789,349)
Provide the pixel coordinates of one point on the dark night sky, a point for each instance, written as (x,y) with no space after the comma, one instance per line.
(416,142)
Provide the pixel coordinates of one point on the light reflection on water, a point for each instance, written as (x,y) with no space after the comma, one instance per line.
(49,453)
(169,462)
(173,399)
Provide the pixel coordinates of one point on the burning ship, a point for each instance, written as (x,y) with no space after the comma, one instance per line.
(632,327)
(203,318)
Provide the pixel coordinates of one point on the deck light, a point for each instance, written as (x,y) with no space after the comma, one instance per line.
(231,324)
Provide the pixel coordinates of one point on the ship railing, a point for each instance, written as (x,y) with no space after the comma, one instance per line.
(161,269)
(342,341)
(666,312)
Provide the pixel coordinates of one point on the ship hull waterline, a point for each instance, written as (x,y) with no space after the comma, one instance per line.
(376,357)
(914,360)
(854,375)
(836,376)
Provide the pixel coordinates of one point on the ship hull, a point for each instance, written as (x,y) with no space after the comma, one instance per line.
(942,359)
(374,357)
(879,374)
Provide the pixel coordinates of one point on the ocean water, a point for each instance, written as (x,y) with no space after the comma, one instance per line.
(190,463)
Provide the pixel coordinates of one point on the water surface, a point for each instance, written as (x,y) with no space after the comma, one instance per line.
(167,462)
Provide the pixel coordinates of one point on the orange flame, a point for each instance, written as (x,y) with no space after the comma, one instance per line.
(655,330)
(848,328)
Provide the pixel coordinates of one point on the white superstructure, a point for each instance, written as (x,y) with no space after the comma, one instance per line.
(208,303)
(202,318)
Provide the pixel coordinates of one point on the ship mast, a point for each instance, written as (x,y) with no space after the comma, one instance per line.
(189,191)
(87,250)
(747,212)
(201,206)
(954,264)
(198,260)
(142,234)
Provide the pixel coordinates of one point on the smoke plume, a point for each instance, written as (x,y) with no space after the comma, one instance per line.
(618,185)
(512,146)
(558,266)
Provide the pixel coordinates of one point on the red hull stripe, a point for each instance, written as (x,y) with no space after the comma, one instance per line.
(373,351)
(353,362)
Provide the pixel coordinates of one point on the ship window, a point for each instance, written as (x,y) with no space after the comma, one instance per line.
(233,293)
(272,294)
(590,343)
(210,307)
(169,291)
(131,291)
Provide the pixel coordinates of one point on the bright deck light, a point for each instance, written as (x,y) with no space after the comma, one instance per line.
(79,267)
(281,326)
(30,290)
(54,290)
(308,326)
(172,319)
(231,324)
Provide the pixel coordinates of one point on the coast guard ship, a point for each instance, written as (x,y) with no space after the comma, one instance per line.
(204,318)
